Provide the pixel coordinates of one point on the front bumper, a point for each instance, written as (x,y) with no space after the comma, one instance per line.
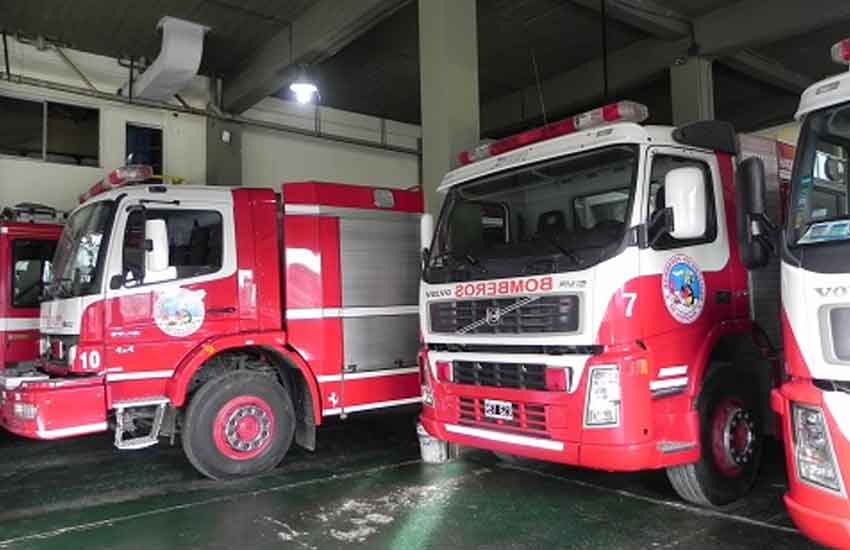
(64,407)
(652,433)
(822,515)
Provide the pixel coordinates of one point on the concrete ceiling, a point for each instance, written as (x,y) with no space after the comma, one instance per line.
(376,71)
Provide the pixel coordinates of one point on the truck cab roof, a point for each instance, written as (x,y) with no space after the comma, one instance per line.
(611,134)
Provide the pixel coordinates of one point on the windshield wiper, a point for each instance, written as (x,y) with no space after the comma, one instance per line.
(463,259)
(566,252)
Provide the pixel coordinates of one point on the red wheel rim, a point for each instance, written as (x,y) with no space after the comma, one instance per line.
(733,436)
(243,427)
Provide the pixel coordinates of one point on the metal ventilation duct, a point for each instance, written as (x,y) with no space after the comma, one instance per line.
(177,63)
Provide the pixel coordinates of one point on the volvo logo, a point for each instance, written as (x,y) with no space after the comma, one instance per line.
(493,316)
(833,292)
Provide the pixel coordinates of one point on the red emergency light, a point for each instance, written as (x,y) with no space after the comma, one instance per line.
(841,52)
(622,111)
(119,177)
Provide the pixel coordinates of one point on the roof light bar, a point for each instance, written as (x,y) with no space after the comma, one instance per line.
(841,52)
(622,111)
(126,175)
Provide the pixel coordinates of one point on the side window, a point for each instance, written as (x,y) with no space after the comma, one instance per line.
(31,268)
(195,241)
(661,165)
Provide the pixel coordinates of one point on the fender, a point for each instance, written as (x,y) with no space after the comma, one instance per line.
(734,327)
(275,342)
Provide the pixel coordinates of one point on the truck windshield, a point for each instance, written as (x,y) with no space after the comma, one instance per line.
(818,210)
(560,215)
(78,260)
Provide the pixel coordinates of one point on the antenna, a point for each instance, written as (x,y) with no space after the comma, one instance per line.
(539,87)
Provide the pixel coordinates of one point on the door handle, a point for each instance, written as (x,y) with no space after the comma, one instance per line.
(221,310)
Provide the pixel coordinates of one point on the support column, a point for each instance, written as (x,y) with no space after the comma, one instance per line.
(692,90)
(448,74)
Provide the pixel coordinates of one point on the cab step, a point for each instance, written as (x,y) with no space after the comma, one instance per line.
(129,406)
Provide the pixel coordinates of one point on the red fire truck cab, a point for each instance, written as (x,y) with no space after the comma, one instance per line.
(584,302)
(28,235)
(232,316)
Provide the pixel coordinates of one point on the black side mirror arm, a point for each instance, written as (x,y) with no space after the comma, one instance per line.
(660,223)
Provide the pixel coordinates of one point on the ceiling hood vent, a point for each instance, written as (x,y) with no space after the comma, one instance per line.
(177,63)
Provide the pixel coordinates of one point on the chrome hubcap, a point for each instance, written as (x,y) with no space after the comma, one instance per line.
(247,428)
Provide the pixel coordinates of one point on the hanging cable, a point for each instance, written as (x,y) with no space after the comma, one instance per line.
(539,87)
(604,14)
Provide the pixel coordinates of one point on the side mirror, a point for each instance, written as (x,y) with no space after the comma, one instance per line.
(426,231)
(754,226)
(684,193)
(156,253)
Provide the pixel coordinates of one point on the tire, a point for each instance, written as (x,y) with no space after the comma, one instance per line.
(238,425)
(731,436)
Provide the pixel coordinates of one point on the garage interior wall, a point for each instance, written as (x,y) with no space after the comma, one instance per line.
(269,157)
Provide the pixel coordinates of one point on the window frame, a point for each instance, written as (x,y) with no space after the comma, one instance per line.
(667,242)
(116,262)
(13,242)
(44,102)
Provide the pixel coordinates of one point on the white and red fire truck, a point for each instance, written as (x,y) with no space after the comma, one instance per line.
(28,235)
(584,302)
(814,400)
(232,316)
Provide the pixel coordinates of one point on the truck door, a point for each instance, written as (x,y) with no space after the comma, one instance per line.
(685,284)
(156,314)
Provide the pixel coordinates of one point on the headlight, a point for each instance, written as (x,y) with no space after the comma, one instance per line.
(813,448)
(603,396)
(25,411)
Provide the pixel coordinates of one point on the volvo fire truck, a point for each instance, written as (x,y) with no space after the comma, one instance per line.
(583,301)
(235,317)
(814,252)
(28,235)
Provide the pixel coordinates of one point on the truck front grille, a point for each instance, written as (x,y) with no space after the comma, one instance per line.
(519,315)
(528,418)
(500,375)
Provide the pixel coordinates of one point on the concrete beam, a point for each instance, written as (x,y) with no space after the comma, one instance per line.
(649,16)
(753,23)
(663,22)
(577,87)
(726,32)
(319,33)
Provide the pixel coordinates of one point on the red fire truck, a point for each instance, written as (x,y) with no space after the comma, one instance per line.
(232,316)
(28,235)
(814,400)
(584,301)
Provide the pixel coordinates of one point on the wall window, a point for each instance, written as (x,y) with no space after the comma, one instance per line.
(195,243)
(32,261)
(144,146)
(46,130)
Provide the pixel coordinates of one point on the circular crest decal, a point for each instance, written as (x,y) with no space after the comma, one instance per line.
(684,289)
(179,312)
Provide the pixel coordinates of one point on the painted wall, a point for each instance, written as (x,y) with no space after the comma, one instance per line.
(269,157)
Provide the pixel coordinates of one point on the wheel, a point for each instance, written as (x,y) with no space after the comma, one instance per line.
(731,434)
(240,424)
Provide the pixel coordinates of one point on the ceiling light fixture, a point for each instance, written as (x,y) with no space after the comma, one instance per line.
(304,88)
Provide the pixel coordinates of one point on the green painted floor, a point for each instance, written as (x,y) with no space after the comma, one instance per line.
(363,488)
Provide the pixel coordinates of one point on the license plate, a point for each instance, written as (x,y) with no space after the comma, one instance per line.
(500,410)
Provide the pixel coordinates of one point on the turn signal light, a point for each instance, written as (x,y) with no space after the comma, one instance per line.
(841,52)
(556,379)
(444,371)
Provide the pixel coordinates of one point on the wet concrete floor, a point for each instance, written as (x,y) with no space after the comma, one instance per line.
(363,488)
